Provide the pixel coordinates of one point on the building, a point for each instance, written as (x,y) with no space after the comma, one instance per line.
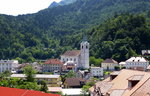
(145,52)
(52,65)
(123,83)
(109,64)
(85,74)
(6,91)
(97,71)
(74,82)
(8,65)
(122,64)
(51,80)
(69,65)
(137,63)
(79,57)
(72,91)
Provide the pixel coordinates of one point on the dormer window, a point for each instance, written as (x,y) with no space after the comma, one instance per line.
(133,80)
(114,74)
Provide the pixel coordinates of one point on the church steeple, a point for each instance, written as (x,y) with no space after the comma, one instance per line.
(84,38)
(84,52)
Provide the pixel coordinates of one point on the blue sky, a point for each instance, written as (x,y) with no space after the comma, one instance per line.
(15,7)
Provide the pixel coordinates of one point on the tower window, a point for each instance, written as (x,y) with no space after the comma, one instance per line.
(86,47)
(82,47)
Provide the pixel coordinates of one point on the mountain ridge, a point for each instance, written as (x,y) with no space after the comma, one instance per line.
(50,32)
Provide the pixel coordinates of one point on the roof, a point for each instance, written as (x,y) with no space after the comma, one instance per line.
(74,91)
(136,59)
(72,53)
(54,89)
(36,76)
(121,83)
(110,61)
(117,92)
(74,81)
(135,77)
(5,91)
(53,61)
(143,90)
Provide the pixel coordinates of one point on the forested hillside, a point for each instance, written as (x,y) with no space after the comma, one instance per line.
(50,32)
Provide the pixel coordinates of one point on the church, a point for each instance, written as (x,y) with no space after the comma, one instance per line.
(79,57)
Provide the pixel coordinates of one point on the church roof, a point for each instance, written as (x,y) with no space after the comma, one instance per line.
(72,53)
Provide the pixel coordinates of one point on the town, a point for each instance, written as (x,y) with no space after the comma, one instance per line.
(73,75)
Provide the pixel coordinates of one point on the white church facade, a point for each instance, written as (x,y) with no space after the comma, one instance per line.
(79,57)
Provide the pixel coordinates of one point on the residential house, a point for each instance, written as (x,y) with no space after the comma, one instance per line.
(74,82)
(8,65)
(85,74)
(109,64)
(6,91)
(69,65)
(51,65)
(97,71)
(122,64)
(139,63)
(123,83)
(51,80)
(145,52)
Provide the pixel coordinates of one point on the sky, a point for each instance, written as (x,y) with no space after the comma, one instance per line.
(18,7)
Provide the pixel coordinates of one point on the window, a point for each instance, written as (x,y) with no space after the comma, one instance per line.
(86,47)
(70,59)
(74,59)
(82,47)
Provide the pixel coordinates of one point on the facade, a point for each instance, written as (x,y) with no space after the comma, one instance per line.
(79,57)
(96,71)
(109,64)
(123,83)
(52,65)
(51,80)
(9,65)
(137,63)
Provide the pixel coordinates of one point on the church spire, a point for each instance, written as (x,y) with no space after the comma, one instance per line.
(84,37)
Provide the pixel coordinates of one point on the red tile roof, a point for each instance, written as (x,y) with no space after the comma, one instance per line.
(5,91)
(72,53)
(53,61)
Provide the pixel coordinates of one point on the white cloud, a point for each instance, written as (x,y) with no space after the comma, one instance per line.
(15,7)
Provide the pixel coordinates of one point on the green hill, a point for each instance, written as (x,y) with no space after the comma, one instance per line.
(50,32)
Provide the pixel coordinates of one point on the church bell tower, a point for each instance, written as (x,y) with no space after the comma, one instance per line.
(84,46)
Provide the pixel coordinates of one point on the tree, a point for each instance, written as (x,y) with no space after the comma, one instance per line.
(30,72)
(44,87)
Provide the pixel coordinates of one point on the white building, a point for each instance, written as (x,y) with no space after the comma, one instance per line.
(9,65)
(109,64)
(122,64)
(96,71)
(137,62)
(79,57)
(145,52)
